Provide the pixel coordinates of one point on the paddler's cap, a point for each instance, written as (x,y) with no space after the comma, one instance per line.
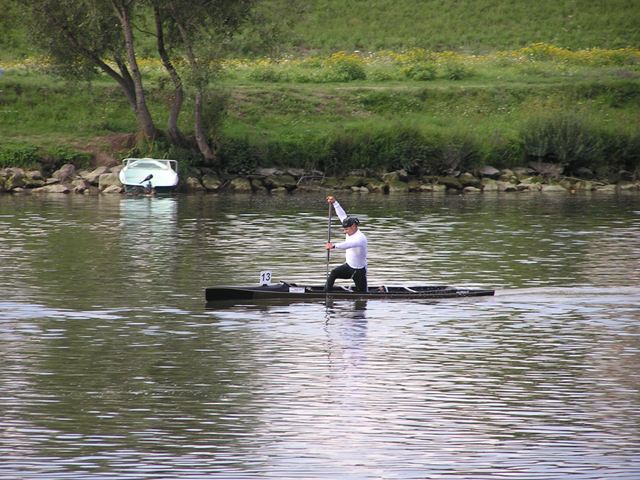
(347,222)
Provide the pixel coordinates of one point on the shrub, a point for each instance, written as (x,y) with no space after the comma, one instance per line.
(397,147)
(344,67)
(19,155)
(459,152)
(455,71)
(420,71)
(562,138)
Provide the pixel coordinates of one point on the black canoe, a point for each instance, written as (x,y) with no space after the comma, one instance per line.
(285,290)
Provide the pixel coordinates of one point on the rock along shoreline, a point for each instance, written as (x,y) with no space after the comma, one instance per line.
(536,177)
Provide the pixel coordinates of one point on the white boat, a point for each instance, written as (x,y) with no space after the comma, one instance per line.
(144,175)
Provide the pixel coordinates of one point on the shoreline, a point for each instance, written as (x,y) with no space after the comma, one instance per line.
(540,177)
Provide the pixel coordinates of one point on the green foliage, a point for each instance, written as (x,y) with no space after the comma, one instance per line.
(399,147)
(345,68)
(30,156)
(240,155)
(563,138)
(456,71)
(420,71)
(463,25)
(266,74)
(348,25)
(19,155)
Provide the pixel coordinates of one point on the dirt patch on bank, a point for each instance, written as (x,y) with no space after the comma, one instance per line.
(108,150)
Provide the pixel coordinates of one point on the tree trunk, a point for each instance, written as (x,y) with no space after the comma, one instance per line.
(173,131)
(143,116)
(208,153)
(202,141)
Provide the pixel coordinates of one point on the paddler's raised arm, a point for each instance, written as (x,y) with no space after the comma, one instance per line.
(336,206)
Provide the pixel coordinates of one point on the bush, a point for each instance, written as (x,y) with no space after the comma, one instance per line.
(455,71)
(398,147)
(19,155)
(345,67)
(420,71)
(562,138)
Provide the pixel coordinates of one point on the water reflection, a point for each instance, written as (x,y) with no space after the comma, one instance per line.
(149,227)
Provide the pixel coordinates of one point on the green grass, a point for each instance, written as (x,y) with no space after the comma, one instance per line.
(472,26)
(477,26)
(434,79)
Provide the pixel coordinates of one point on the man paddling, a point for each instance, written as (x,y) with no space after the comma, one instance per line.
(355,245)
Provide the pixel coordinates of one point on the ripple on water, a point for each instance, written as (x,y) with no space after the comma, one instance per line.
(111,366)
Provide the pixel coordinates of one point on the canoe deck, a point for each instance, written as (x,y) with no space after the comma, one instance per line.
(285,290)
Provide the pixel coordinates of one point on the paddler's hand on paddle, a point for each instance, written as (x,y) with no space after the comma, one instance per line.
(330,199)
(329,246)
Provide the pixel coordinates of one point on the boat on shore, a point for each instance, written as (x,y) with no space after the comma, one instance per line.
(293,291)
(147,175)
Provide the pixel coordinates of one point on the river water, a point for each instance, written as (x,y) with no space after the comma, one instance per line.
(112,367)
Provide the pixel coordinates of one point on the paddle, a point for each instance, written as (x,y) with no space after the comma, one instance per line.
(328,241)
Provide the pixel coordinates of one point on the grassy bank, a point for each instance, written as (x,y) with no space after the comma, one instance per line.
(418,110)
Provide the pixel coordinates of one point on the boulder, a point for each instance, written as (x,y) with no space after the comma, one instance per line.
(508,175)
(528,185)
(468,180)
(33,179)
(489,172)
(94,176)
(240,185)
(553,188)
(108,180)
(397,186)
(211,182)
(451,183)
(113,189)
(490,185)
(79,185)
(53,188)
(396,175)
(16,179)
(314,186)
(64,173)
(552,170)
(268,172)
(354,181)
(280,181)
(258,186)
(414,185)
(375,185)
(192,184)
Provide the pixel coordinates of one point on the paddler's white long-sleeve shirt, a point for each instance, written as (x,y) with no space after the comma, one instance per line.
(355,245)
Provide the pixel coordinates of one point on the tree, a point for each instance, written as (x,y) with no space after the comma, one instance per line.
(199,31)
(80,37)
(85,36)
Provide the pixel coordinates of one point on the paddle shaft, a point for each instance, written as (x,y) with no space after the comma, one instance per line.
(328,240)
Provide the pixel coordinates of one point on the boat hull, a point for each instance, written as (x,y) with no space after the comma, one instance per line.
(304,292)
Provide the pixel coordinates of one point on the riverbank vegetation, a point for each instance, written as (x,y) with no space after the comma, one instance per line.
(429,111)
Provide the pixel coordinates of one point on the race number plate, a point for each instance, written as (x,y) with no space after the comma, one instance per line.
(265,277)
